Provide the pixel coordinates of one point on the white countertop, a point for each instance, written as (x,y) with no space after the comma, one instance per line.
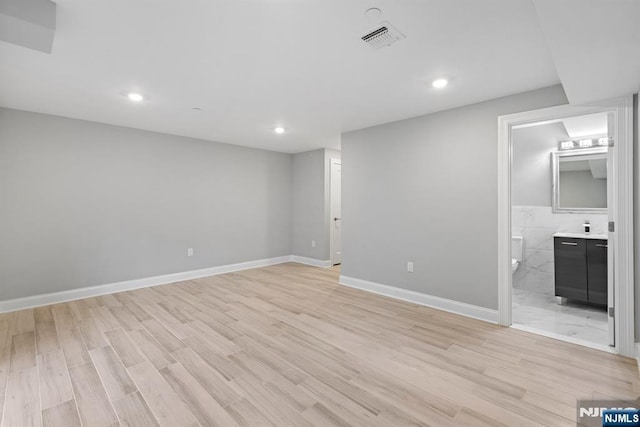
(582,236)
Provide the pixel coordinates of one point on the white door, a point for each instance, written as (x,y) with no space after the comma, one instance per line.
(336,212)
(610,243)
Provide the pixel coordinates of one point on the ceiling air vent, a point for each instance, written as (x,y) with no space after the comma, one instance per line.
(383,35)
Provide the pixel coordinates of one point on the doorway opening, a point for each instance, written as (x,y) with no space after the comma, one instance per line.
(565,217)
(559,219)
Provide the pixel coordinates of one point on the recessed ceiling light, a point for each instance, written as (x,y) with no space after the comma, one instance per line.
(439,83)
(372,13)
(196,109)
(135,97)
(279,130)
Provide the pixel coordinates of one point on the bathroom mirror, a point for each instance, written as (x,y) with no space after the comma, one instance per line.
(579,180)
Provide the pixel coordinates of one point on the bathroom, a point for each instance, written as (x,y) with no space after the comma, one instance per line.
(559,224)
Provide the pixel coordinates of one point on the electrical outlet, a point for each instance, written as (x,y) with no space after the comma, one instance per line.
(410,267)
(313,243)
(190,252)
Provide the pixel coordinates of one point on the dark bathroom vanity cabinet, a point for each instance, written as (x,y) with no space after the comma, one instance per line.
(580,268)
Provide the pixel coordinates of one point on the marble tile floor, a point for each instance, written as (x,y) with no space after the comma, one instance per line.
(578,321)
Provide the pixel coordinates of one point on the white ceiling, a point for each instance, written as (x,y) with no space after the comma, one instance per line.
(595,46)
(253,65)
(587,125)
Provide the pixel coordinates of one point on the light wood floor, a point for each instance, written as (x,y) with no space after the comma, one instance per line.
(286,346)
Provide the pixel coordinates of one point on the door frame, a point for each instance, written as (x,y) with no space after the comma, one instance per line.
(332,161)
(622,212)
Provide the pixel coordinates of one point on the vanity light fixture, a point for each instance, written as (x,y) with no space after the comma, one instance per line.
(585,143)
(603,142)
(567,145)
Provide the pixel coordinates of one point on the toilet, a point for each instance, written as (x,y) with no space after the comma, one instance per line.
(516,252)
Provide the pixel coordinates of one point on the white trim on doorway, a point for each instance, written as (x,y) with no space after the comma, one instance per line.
(622,212)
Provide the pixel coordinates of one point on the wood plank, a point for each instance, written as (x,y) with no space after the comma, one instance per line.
(105,320)
(109,301)
(272,360)
(209,378)
(137,311)
(71,341)
(273,381)
(169,321)
(277,411)
(169,341)
(46,334)
(223,345)
(5,358)
(5,335)
(62,317)
(126,319)
(134,412)
(112,372)
(247,415)
(208,352)
(22,402)
(320,415)
(93,403)
(63,415)
(153,350)
(91,332)
(206,409)
(74,348)
(22,321)
(165,404)
(125,348)
(23,351)
(55,385)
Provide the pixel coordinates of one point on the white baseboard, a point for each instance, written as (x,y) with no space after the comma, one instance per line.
(111,288)
(443,304)
(311,261)
(638,355)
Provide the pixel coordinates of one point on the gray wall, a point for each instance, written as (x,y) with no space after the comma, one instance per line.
(311,203)
(425,190)
(85,204)
(308,205)
(531,172)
